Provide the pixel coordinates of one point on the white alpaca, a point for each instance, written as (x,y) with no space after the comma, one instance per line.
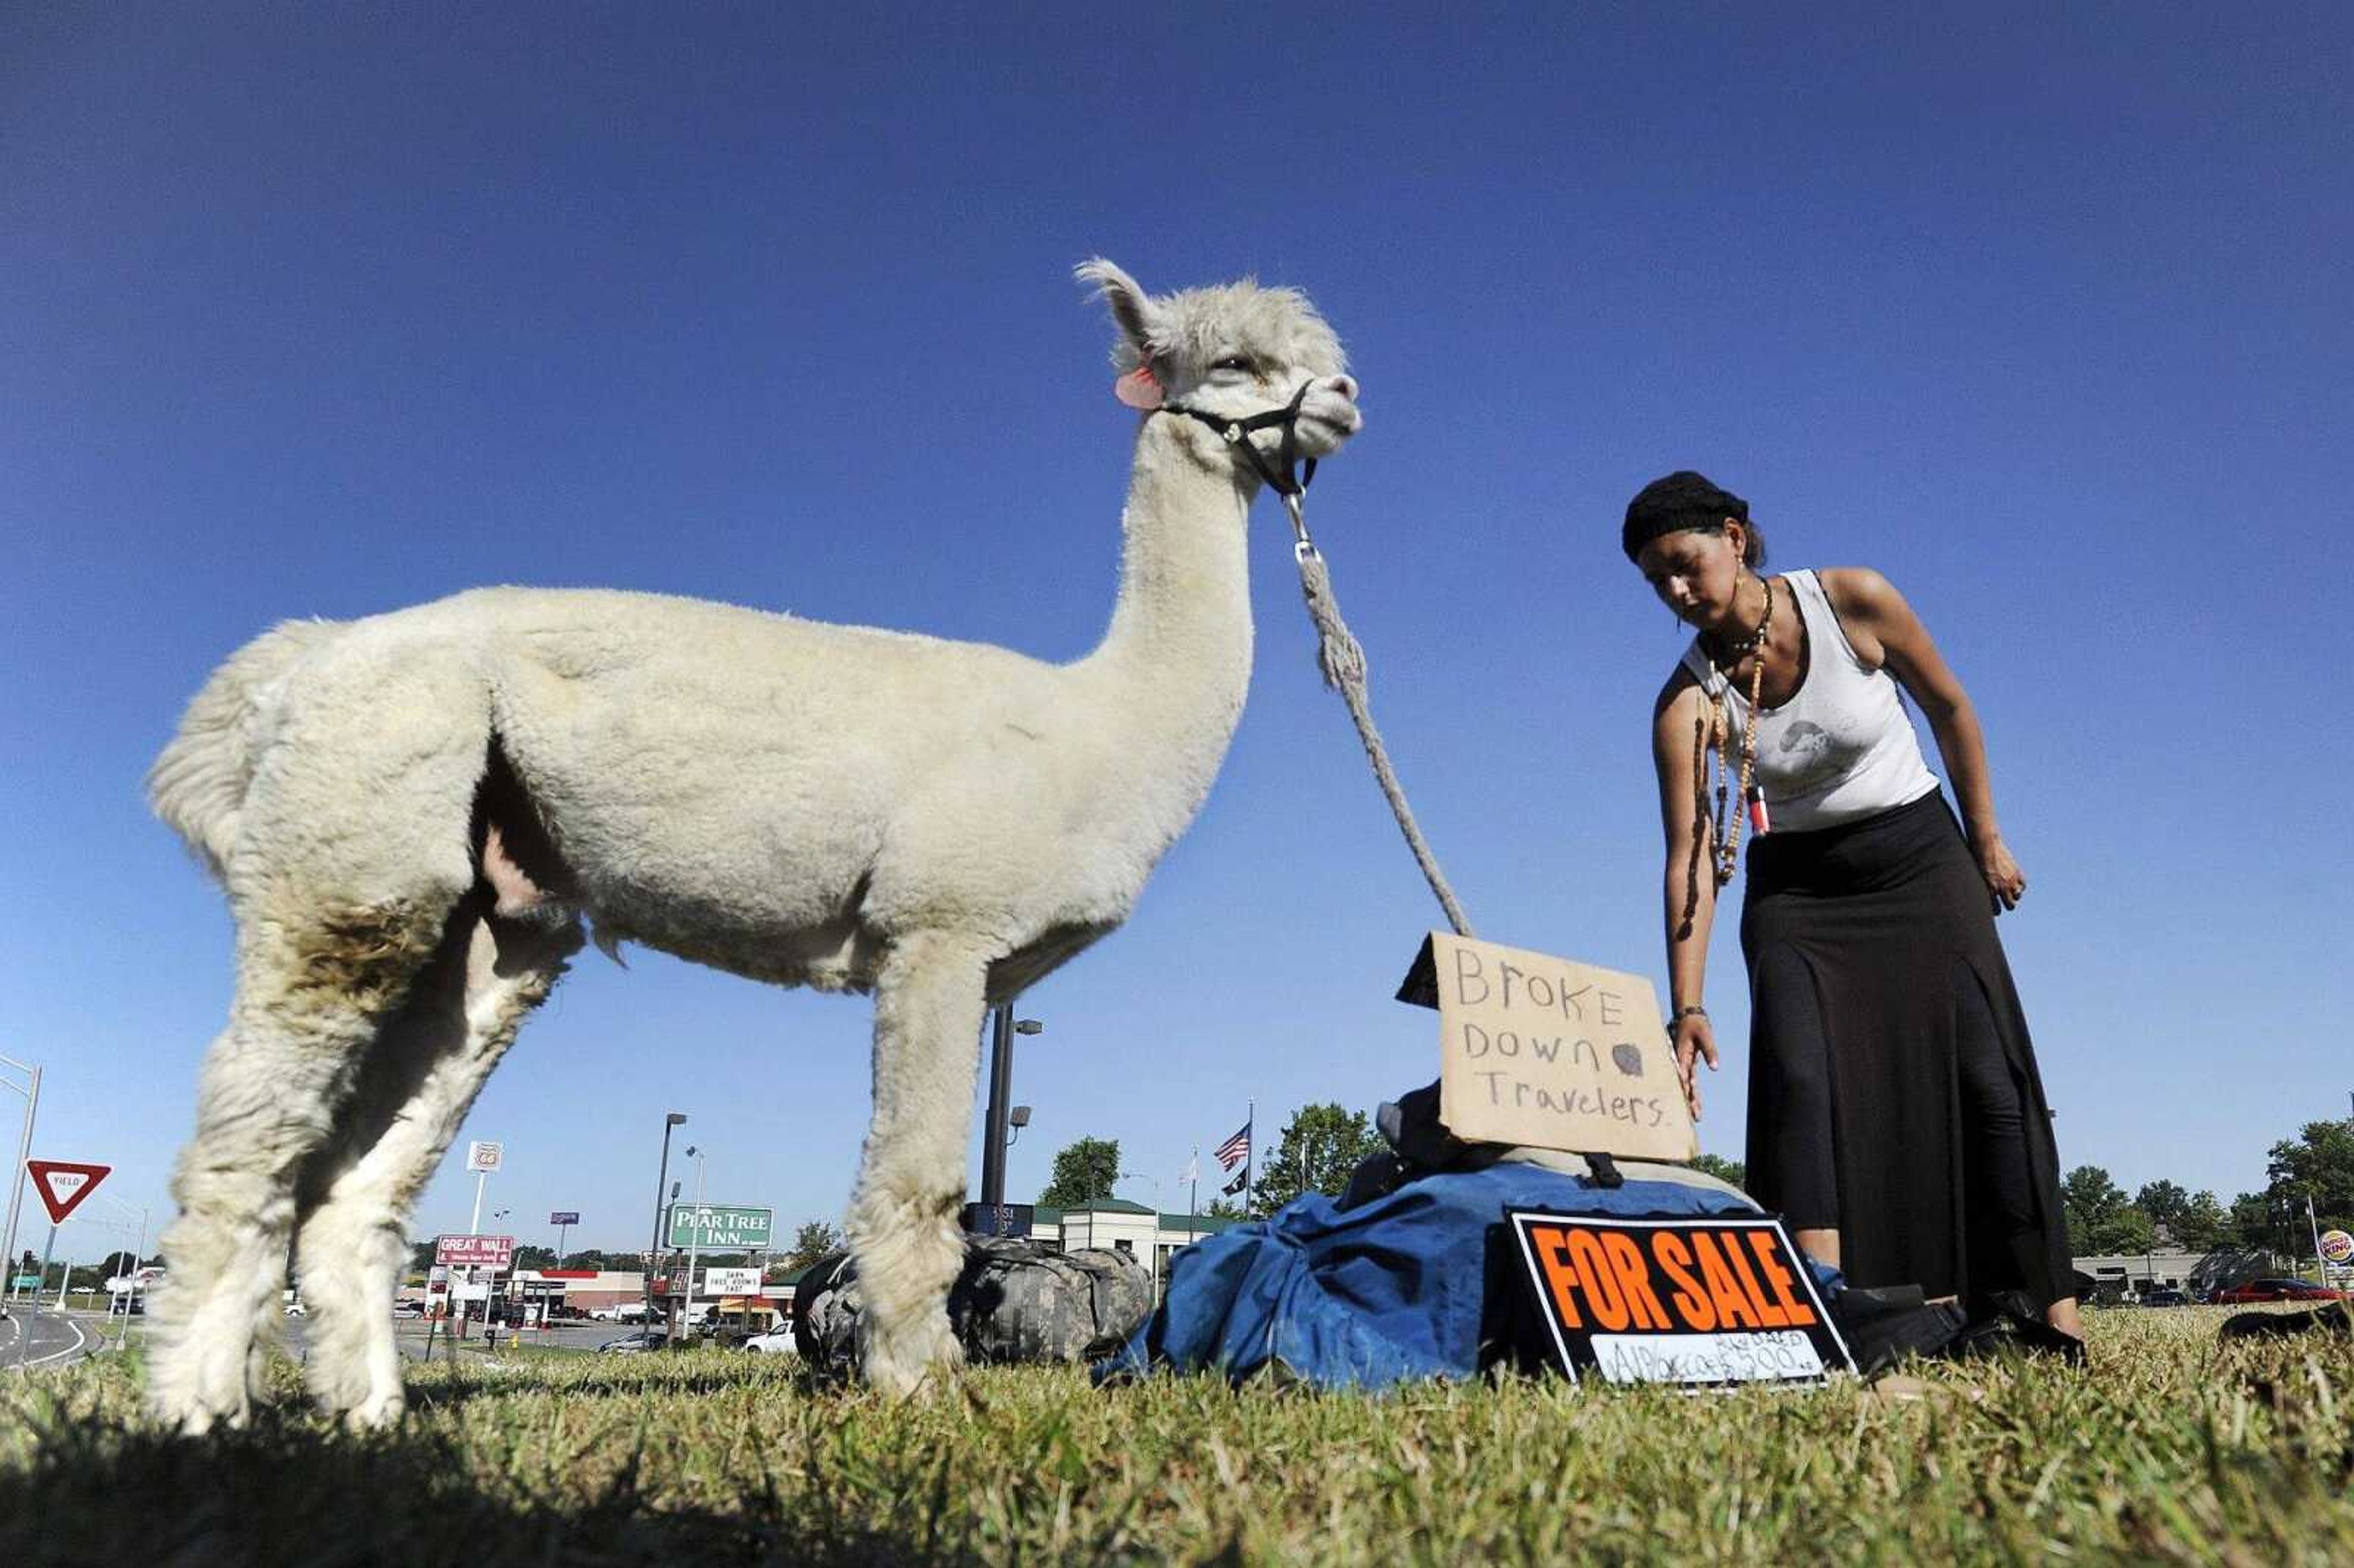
(414,814)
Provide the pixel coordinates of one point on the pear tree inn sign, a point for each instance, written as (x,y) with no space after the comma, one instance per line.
(719,1227)
(1550,1052)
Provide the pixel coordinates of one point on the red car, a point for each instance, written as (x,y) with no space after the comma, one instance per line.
(2277,1290)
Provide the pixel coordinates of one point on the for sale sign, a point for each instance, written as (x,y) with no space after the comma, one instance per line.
(1700,1302)
(474,1252)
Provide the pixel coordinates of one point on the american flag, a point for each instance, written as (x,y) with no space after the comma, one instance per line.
(1235,1150)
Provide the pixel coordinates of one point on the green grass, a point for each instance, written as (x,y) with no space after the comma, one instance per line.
(2172,1448)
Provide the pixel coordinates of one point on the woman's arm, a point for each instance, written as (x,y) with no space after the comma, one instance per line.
(1689,887)
(1877,620)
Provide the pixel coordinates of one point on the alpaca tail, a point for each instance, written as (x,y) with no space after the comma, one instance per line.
(198,783)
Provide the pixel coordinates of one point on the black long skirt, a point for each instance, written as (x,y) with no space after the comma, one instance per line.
(1893,1094)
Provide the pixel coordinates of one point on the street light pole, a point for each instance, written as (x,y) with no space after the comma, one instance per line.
(1003,1027)
(31,1090)
(674,1118)
(695,1236)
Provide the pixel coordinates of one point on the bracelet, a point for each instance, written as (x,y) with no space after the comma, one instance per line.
(1695,1011)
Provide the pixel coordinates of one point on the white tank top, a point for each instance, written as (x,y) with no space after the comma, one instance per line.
(1841,748)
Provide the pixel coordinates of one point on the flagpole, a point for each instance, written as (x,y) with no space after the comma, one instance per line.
(1194,1203)
(1250,1154)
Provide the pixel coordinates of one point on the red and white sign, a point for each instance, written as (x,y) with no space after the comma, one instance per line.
(63,1184)
(474,1252)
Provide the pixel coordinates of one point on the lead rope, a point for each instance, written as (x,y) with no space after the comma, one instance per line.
(1342,659)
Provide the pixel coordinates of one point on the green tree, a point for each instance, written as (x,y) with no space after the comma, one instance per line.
(2089,1197)
(2163,1201)
(1225,1209)
(2318,1165)
(814,1240)
(1321,1147)
(1724,1169)
(1084,1171)
(535,1257)
(2202,1225)
(2257,1223)
(2100,1220)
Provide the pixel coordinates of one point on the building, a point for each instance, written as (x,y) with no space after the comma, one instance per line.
(1119,1225)
(2118,1275)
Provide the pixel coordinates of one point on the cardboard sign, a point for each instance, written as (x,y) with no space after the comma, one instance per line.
(1550,1052)
(64,1183)
(1702,1302)
(474,1252)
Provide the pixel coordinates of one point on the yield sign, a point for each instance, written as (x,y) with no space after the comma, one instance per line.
(63,1184)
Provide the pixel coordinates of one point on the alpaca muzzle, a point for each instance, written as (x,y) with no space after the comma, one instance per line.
(1284,473)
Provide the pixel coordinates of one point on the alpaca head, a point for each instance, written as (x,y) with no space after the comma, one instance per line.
(1233,351)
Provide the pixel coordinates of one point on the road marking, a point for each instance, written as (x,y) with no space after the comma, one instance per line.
(79,1341)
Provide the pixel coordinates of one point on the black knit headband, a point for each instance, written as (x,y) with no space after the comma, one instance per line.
(1682,500)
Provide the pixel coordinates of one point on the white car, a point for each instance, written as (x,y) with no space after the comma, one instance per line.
(780,1343)
(296,1309)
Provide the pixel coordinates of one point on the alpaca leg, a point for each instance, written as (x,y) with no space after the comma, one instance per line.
(903,1220)
(413,1094)
(313,992)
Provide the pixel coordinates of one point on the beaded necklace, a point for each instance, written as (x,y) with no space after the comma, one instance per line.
(1727,843)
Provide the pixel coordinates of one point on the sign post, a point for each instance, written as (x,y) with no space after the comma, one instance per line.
(32,1093)
(482,1158)
(62,1184)
(470,1252)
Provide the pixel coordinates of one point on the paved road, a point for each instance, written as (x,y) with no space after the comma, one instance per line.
(57,1339)
(48,1340)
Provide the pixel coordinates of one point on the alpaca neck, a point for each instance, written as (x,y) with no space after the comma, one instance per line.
(1183,626)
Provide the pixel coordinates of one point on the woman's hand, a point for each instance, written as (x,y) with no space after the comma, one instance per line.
(1693,1038)
(2003,878)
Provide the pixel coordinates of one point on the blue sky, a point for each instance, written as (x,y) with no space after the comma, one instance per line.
(2042,312)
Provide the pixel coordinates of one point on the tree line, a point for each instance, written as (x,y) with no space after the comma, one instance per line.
(2316,1165)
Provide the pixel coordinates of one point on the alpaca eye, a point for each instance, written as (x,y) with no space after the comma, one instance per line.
(1234,361)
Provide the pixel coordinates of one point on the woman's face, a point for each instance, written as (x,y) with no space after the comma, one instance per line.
(1694,573)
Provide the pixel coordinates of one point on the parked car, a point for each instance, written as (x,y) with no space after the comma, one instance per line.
(778,1343)
(2276,1290)
(636,1344)
(296,1309)
(408,1308)
(2164,1296)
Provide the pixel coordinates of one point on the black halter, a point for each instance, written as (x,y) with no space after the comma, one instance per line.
(1237,433)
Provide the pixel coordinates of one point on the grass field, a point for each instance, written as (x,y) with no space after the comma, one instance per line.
(2172,1448)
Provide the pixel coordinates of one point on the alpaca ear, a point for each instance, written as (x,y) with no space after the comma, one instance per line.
(1138,318)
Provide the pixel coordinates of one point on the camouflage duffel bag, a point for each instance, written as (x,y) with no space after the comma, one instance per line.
(1017,1300)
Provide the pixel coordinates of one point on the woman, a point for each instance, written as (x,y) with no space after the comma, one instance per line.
(1897,1119)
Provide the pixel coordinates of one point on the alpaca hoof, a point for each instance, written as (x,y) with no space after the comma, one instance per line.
(197,1420)
(376,1414)
(900,1362)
